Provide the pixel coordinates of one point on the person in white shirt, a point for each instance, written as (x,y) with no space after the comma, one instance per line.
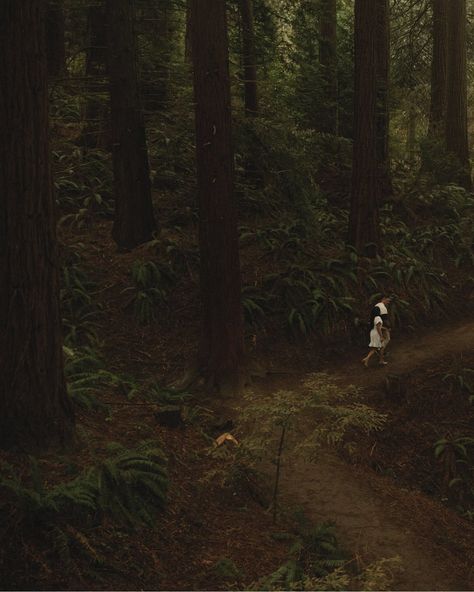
(377,342)
(380,310)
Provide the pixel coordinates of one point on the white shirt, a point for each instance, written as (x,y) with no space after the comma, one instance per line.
(383,309)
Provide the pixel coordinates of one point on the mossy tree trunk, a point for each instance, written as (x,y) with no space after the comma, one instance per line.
(35,410)
(457,144)
(382,9)
(221,350)
(328,116)
(439,72)
(134,221)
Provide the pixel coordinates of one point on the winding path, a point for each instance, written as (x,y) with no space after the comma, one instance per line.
(376,518)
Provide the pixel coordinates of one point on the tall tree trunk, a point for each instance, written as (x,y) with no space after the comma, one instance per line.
(96,115)
(35,410)
(328,61)
(221,350)
(249,57)
(134,221)
(55,46)
(382,10)
(411,132)
(439,71)
(364,231)
(187,35)
(456,109)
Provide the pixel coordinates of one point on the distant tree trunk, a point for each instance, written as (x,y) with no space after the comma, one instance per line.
(154,77)
(96,115)
(221,351)
(439,73)
(382,9)
(55,46)
(187,36)
(134,221)
(364,231)
(411,132)
(456,109)
(328,61)
(35,410)
(249,57)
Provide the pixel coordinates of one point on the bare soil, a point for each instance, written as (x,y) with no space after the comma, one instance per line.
(375,516)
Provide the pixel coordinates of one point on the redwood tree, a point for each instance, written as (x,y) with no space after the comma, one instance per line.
(439,70)
(55,46)
(328,117)
(456,108)
(35,411)
(382,10)
(221,349)
(364,231)
(134,221)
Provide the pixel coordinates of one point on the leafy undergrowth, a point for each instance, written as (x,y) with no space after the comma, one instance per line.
(427,442)
(93,518)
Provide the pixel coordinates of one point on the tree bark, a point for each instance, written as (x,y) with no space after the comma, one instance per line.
(364,231)
(457,143)
(35,410)
(328,119)
(55,46)
(249,58)
(134,221)
(382,10)
(439,72)
(221,350)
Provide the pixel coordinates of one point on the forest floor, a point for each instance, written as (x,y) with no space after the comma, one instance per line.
(381,496)
(377,517)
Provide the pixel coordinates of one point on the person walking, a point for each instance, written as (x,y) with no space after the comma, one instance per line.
(377,342)
(381,310)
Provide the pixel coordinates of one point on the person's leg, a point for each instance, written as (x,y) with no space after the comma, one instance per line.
(365,360)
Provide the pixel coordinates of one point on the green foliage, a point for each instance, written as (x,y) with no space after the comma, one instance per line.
(460,379)
(314,554)
(83,182)
(226,571)
(152,284)
(130,487)
(87,376)
(81,312)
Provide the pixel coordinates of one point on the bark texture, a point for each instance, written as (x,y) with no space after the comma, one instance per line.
(35,410)
(439,70)
(221,350)
(382,10)
(55,43)
(364,231)
(134,221)
(328,118)
(457,143)
(249,56)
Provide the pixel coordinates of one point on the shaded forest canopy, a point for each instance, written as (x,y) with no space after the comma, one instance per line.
(197,196)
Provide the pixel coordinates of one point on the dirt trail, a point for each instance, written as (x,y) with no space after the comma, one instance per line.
(375,518)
